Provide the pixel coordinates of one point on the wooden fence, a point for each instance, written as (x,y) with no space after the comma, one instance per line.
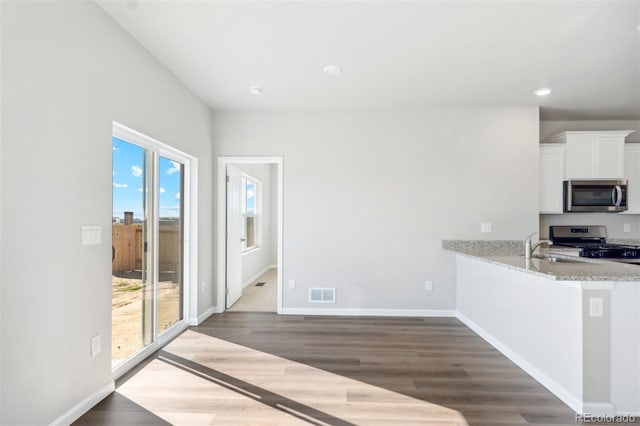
(127,243)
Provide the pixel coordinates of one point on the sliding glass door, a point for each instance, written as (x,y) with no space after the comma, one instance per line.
(149,251)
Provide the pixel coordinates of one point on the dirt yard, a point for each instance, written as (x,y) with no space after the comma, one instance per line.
(127,313)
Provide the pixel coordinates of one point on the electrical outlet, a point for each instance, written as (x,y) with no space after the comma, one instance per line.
(486,228)
(626,227)
(428,285)
(96,345)
(292,284)
(596,308)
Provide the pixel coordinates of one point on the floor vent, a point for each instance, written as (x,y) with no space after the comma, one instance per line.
(260,284)
(322,295)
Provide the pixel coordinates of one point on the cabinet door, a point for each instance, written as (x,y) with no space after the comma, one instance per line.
(595,157)
(581,159)
(552,173)
(632,174)
(610,157)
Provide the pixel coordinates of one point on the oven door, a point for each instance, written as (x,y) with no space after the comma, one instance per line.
(595,195)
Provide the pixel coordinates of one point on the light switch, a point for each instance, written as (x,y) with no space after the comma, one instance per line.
(91,234)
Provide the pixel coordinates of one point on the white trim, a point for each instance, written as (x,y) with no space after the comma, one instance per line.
(221,226)
(75,412)
(203,317)
(370,312)
(256,276)
(599,408)
(574,402)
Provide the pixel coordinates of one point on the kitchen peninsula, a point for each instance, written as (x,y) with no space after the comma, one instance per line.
(571,323)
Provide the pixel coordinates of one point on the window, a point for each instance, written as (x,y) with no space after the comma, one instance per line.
(250,213)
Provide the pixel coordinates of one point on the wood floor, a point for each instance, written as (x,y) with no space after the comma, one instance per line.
(264,369)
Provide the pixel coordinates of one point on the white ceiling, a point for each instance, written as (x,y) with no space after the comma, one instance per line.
(398,54)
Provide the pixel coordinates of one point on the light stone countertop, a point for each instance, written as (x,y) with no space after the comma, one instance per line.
(509,254)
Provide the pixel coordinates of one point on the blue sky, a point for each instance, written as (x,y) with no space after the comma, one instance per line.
(127,182)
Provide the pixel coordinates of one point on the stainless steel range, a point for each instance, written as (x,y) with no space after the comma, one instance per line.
(592,242)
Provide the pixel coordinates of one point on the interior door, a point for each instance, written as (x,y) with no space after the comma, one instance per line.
(234,235)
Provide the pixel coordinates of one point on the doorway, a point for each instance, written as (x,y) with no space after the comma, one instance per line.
(250,237)
(150,245)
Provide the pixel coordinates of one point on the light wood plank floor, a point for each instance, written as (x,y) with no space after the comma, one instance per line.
(259,299)
(265,369)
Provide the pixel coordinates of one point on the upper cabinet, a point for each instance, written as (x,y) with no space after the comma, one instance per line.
(593,155)
(552,173)
(587,155)
(632,174)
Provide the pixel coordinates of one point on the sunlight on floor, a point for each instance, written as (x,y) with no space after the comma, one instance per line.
(232,384)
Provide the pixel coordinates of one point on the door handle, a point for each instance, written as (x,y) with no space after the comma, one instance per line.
(243,239)
(617,196)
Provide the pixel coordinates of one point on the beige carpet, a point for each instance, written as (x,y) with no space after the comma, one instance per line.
(259,299)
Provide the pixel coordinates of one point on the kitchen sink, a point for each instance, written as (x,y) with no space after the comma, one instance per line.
(553,258)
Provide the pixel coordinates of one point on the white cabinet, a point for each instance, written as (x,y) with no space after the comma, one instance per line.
(632,174)
(552,173)
(593,154)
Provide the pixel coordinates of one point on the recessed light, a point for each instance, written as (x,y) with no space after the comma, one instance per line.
(332,70)
(542,92)
(255,90)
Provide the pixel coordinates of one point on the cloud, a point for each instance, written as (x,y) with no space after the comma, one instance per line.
(175,168)
(136,171)
(177,195)
(162,190)
(120,185)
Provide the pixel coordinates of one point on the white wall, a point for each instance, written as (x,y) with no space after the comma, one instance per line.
(68,70)
(369,196)
(614,222)
(255,262)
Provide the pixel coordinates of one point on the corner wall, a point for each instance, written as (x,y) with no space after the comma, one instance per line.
(368,196)
(68,71)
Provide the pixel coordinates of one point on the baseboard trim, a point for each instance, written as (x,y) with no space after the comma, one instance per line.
(85,405)
(599,408)
(193,322)
(248,282)
(370,312)
(567,397)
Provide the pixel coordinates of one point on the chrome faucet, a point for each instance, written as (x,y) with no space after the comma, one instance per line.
(529,249)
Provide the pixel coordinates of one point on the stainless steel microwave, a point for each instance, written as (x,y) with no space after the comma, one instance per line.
(596,195)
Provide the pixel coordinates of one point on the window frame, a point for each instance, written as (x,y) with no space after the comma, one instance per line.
(257,213)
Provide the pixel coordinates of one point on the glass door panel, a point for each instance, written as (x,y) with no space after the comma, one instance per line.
(131,274)
(170,242)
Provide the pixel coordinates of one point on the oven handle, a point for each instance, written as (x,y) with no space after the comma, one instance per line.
(616,196)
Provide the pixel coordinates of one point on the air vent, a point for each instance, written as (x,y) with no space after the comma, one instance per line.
(322,295)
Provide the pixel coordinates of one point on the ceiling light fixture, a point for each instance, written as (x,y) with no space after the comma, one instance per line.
(256,90)
(332,70)
(542,92)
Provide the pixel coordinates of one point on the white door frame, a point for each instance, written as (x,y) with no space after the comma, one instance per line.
(221,210)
